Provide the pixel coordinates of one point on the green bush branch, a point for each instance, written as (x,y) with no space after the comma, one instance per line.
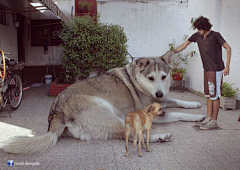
(90,45)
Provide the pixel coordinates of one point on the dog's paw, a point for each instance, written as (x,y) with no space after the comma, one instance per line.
(160,137)
(200,118)
(144,146)
(149,150)
(196,104)
(192,118)
(165,138)
(191,105)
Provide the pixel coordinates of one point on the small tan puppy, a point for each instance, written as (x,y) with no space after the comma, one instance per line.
(139,121)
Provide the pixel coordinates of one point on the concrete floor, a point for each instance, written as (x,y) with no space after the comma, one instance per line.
(189,148)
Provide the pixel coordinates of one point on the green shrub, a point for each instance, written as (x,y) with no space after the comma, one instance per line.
(193,19)
(90,45)
(228,91)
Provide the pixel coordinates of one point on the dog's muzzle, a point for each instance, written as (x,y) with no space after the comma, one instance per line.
(163,114)
(159,94)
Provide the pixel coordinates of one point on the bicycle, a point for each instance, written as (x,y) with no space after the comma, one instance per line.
(11,88)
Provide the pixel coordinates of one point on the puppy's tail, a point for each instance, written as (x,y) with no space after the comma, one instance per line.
(27,145)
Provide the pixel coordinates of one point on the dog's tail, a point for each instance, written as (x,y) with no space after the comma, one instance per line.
(27,145)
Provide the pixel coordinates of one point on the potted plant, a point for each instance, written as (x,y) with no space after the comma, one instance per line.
(178,70)
(84,6)
(228,96)
(178,73)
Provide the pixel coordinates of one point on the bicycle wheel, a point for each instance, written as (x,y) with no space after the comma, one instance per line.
(15,91)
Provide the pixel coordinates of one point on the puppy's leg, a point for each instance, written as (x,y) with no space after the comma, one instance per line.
(127,133)
(140,136)
(135,129)
(134,139)
(143,142)
(148,135)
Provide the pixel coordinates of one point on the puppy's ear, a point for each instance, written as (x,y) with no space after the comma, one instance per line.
(151,108)
(141,64)
(168,58)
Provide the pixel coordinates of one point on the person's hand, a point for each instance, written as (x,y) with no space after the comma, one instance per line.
(226,71)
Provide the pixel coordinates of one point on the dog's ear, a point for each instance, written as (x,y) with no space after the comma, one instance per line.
(168,58)
(141,63)
(151,108)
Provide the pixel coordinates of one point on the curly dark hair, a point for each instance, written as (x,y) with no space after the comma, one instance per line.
(202,23)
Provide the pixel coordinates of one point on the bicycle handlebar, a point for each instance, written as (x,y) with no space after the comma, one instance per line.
(6,57)
(6,53)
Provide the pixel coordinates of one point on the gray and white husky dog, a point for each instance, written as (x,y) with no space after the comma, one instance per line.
(96,107)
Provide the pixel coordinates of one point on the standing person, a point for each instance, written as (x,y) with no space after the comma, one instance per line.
(210,47)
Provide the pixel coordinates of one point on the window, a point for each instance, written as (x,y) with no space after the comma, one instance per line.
(45,32)
(91,12)
(3,19)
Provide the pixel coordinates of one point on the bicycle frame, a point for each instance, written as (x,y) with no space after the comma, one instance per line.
(3,89)
(10,84)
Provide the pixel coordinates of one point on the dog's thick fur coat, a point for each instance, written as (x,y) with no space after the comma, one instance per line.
(96,107)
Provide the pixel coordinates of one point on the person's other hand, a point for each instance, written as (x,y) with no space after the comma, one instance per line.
(226,71)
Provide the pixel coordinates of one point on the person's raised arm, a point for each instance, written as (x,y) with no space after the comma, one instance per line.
(182,46)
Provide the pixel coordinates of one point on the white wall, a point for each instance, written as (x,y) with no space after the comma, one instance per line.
(38,58)
(66,6)
(35,54)
(8,34)
(149,25)
(229,27)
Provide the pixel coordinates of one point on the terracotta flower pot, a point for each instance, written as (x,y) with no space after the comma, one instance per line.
(56,88)
(177,76)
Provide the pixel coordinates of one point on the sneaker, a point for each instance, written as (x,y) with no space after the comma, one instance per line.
(211,125)
(204,122)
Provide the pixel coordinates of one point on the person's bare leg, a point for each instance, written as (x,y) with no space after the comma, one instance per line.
(209,114)
(215,108)
(216,105)
(209,108)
